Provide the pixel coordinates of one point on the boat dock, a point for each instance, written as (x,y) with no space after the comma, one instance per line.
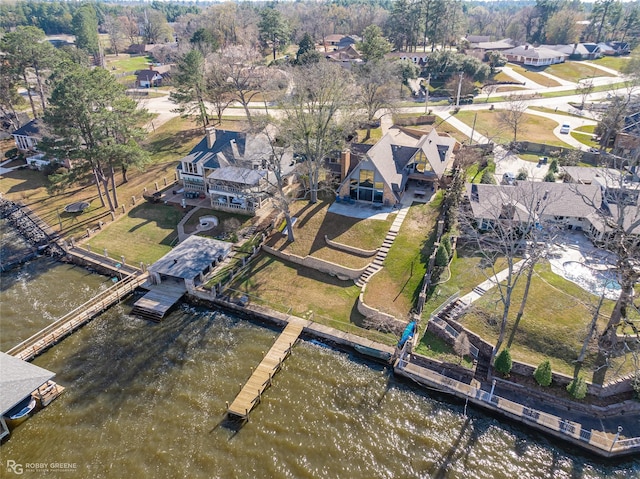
(50,335)
(251,393)
(160,298)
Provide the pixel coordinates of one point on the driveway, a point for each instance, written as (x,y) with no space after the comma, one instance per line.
(508,162)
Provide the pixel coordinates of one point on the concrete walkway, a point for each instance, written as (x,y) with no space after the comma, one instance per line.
(4,171)
(490,283)
(530,84)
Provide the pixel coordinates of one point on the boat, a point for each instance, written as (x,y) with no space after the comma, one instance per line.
(20,411)
(373,352)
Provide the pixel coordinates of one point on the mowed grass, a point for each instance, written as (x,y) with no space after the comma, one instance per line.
(395,288)
(145,234)
(617,63)
(298,290)
(575,71)
(166,146)
(533,128)
(554,324)
(533,75)
(127,63)
(314,222)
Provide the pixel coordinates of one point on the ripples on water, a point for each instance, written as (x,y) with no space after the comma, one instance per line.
(147,400)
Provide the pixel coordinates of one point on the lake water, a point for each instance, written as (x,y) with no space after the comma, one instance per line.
(147,400)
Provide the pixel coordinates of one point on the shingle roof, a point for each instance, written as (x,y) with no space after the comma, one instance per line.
(147,75)
(18,379)
(557,199)
(191,257)
(244,176)
(36,128)
(534,52)
(209,157)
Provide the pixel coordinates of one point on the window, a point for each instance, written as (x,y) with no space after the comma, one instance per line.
(366,178)
(190,168)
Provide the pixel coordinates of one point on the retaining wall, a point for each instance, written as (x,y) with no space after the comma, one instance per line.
(375,314)
(333,269)
(365,253)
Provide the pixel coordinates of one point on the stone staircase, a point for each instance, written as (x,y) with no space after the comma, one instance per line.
(452,311)
(378,260)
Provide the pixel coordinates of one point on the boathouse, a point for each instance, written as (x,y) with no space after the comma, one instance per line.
(179,271)
(19,380)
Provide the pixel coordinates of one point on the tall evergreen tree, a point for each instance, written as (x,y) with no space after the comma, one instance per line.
(85,28)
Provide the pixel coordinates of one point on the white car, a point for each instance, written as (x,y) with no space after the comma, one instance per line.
(565,129)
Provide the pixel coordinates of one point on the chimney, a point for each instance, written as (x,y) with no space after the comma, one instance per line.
(345,163)
(151,66)
(211,136)
(234,149)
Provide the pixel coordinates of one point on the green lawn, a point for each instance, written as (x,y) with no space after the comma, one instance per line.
(574,72)
(534,128)
(395,288)
(555,111)
(617,63)
(533,75)
(126,63)
(145,233)
(432,346)
(555,321)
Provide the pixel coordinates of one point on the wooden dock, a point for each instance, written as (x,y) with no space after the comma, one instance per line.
(50,335)
(260,380)
(160,298)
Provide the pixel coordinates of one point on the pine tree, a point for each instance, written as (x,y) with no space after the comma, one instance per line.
(503,362)
(542,373)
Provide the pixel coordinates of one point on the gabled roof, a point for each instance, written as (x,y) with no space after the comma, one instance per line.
(575,49)
(529,51)
(36,128)
(557,199)
(18,379)
(439,150)
(220,150)
(147,75)
(234,174)
(497,45)
(344,54)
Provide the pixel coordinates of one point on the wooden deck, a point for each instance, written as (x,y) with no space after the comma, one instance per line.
(46,393)
(50,335)
(160,298)
(252,391)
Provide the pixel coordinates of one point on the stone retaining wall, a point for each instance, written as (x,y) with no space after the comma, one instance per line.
(619,386)
(365,253)
(333,269)
(375,314)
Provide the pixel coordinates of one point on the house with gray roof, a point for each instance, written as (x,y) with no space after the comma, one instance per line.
(578,51)
(581,206)
(28,136)
(394,162)
(534,56)
(231,168)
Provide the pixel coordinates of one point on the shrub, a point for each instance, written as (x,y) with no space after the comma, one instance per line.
(446,242)
(542,373)
(550,177)
(442,257)
(487,178)
(523,174)
(553,166)
(11,153)
(577,388)
(503,362)
(635,384)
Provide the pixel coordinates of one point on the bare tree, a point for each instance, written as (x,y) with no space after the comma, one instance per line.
(584,89)
(316,115)
(281,167)
(502,223)
(490,90)
(240,65)
(114,30)
(513,116)
(462,346)
(130,27)
(375,89)
(616,226)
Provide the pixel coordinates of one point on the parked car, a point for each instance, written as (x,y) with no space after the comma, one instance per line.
(565,129)
(508,178)
(594,150)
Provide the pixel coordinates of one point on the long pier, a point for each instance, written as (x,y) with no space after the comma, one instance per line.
(260,380)
(50,335)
